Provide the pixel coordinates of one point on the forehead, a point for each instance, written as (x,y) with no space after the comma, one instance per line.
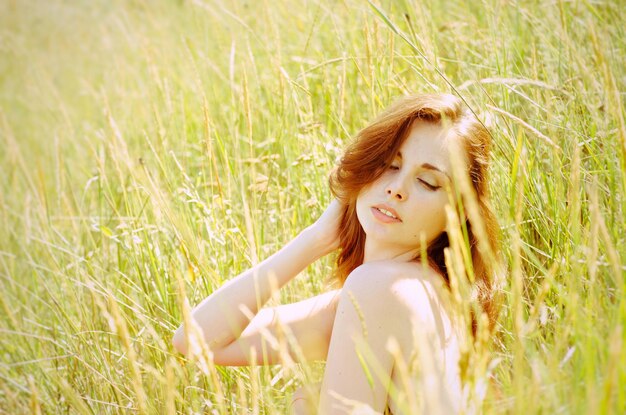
(432,143)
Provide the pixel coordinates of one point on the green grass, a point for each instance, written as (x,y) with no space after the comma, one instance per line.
(147,143)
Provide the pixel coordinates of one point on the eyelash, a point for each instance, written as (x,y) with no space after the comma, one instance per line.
(428,185)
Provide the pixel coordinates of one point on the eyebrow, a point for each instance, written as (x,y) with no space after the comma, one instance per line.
(428,166)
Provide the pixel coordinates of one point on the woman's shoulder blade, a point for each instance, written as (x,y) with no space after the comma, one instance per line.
(403,281)
(413,285)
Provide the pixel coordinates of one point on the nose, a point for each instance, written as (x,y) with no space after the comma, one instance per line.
(396,190)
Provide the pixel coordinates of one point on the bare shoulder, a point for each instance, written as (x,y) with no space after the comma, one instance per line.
(409,285)
(389,272)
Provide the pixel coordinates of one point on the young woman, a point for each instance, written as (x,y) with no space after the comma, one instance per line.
(395,189)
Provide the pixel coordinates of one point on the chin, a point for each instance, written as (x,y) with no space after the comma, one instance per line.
(383,235)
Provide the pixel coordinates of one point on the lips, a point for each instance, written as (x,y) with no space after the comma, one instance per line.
(385,213)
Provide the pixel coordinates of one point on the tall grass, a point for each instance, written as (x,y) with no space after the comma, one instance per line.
(153,150)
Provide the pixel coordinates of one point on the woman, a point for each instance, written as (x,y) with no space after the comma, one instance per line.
(396,187)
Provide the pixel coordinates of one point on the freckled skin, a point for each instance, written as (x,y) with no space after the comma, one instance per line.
(416,193)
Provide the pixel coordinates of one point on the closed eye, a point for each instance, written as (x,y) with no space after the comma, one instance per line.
(392,167)
(428,185)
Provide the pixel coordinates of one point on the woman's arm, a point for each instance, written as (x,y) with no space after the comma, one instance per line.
(298,331)
(220,315)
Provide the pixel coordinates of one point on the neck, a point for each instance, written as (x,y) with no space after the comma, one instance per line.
(379,252)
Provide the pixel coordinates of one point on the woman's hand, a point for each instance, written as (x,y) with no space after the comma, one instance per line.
(326,228)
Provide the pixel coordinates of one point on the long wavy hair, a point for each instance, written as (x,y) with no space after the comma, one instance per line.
(373,151)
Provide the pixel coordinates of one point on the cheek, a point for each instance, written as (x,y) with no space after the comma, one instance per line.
(360,200)
(361,204)
(430,219)
(366,196)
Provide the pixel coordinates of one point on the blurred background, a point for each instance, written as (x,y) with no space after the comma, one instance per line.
(151,150)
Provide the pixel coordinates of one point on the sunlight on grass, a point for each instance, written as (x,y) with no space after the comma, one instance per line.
(153,150)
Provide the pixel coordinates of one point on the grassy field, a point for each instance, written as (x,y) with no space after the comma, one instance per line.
(152,150)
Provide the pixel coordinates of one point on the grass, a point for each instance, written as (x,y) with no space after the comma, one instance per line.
(143,141)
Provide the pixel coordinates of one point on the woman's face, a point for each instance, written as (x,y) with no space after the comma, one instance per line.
(407,203)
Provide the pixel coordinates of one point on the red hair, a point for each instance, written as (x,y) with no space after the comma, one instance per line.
(374,149)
